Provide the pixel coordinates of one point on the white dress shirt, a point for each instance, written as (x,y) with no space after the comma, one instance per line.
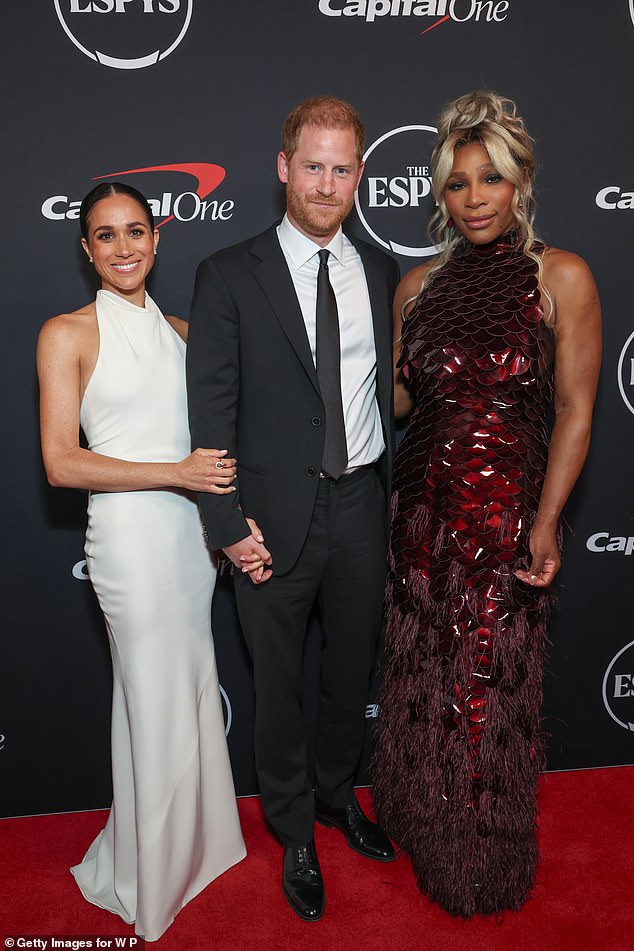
(364,432)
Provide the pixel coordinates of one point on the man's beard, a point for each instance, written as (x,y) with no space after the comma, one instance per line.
(315,221)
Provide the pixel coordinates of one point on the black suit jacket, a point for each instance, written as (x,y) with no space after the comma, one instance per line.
(252,389)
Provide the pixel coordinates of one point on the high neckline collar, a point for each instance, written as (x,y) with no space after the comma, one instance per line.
(505,243)
(116,300)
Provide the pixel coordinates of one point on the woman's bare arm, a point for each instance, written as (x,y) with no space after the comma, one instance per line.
(407,289)
(577,362)
(64,350)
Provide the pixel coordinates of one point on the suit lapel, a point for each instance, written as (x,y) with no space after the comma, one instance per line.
(272,274)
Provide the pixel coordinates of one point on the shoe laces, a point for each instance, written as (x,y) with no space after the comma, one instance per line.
(354,811)
(306,855)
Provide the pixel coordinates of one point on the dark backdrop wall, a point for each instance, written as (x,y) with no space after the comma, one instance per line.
(184,99)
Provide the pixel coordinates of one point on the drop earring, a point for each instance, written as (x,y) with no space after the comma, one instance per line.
(90,258)
(450,222)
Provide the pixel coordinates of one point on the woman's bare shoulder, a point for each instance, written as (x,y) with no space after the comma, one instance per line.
(564,268)
(411,283)
(570,282)
(72,325)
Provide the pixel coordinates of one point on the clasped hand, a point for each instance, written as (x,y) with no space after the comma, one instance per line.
(250,555)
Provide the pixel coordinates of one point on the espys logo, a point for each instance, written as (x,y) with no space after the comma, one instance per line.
(618,687)
(394,200)
(185,206)
(458,11)
(125,34)
(625,372)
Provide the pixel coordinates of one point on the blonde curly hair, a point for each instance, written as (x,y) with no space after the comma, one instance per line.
(490,120)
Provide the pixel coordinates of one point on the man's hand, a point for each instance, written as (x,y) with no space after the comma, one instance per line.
(250,555)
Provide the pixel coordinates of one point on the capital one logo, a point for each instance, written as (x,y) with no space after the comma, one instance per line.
(602,542)
(625,371)
(172,204)
(489,11)
(125,34)
(614,198)
(394,201)
(618,687)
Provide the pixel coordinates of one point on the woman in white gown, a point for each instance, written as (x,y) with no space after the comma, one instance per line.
(116,367)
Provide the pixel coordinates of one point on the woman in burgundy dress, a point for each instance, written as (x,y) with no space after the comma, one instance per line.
(486,334)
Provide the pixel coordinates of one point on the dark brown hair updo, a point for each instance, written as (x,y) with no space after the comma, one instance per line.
(105,190)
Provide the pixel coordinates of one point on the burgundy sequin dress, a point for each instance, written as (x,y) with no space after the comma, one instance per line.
(458,750)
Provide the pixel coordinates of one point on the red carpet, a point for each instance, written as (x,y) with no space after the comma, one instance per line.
(583,900)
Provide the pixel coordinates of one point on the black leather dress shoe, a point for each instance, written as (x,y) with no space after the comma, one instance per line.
(302,884)
(362,835)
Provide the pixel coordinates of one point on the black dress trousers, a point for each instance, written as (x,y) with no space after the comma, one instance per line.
(341,569)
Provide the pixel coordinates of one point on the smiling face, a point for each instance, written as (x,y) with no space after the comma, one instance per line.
(122,245)
(321,178)
(477,196)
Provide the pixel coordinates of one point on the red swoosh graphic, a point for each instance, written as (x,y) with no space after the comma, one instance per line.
(208,177)
(437,23)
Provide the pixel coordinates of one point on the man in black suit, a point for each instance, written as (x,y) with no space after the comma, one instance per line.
(290,369)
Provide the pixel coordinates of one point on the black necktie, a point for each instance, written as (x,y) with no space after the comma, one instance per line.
(335,458)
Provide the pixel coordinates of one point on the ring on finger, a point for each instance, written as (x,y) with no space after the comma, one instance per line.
(220,465)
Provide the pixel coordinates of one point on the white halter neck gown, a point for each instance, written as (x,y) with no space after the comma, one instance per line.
(173,826)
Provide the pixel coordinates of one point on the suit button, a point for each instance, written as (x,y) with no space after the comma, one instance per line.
(316,421)
(310,471)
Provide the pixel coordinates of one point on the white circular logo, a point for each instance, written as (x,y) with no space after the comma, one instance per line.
(625,370)
(80,571)
(125,34)
(618,687)
(395,200)
(227,709)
